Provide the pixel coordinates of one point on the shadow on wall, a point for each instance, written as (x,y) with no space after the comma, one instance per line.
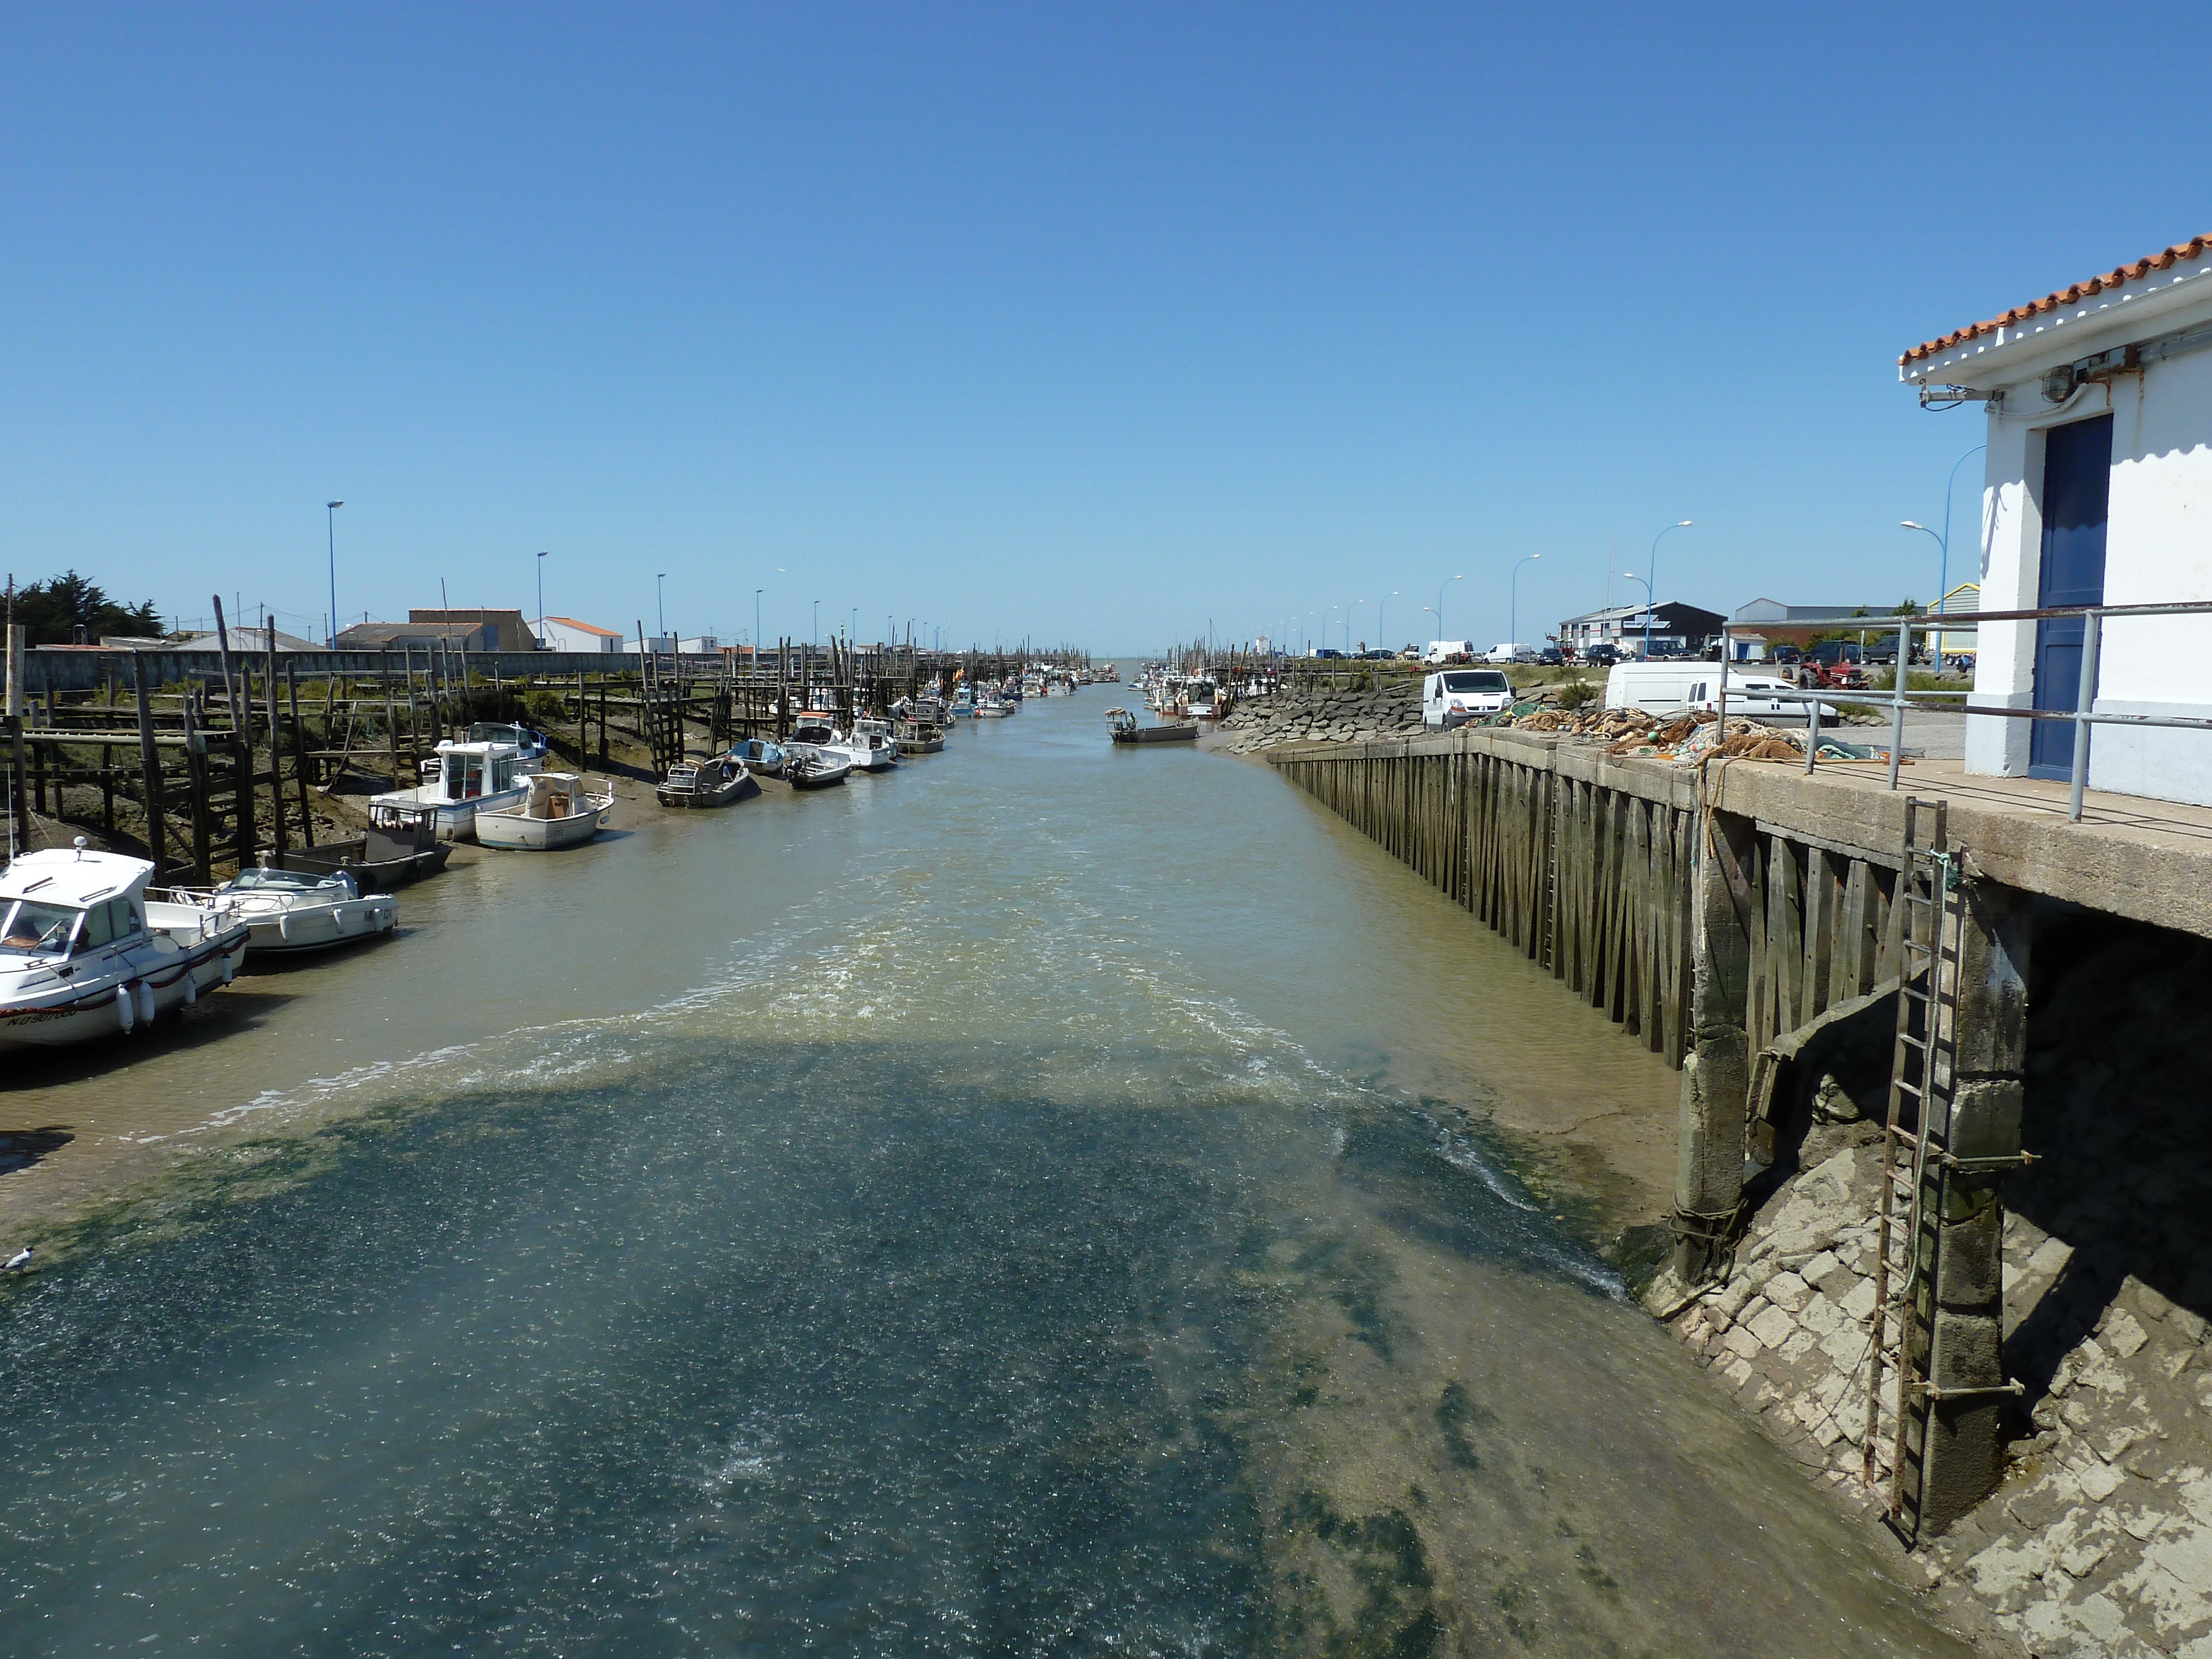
(2110,1220)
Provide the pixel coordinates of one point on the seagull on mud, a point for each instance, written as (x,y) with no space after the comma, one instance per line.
(20,1259)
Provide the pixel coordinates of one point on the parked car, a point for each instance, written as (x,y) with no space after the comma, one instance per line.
(1601,656)
(1787,654)
(1834,651)
(1328,654)
(1458,694)
(1550,657)
(1375,656)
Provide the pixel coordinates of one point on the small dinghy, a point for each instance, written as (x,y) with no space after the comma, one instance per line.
(1127,730)
(290,911)
(556,811)
(86,952)
(761,758)
(807,766)
(714,782)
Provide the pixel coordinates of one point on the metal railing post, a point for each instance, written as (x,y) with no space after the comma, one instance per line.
(2091,634)
(1897,698)
(1812,728)
(1720,703)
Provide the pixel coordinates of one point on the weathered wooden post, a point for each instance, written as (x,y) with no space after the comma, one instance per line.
(1963,1454)
(1717,1074)
(150,763)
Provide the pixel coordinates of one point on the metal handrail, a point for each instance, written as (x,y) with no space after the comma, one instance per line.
(2082,715)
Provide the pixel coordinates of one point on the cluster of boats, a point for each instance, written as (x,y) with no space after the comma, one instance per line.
(89,948)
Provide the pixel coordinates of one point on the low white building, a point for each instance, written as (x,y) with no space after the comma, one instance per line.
(583,638)
(2099,489)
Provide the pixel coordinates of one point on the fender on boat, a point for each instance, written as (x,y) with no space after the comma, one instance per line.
(145,1000)
(127,1008)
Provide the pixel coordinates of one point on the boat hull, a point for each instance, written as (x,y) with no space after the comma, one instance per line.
(156,988)
(322,927)
(1158,734)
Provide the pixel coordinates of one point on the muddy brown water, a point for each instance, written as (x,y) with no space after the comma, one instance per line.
(1050,1200)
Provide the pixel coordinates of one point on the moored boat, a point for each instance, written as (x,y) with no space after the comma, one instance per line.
(400,845)
(85,951)
(808,767)
(288,911)
(479,775)
(715,781)
(763,758)
(556,811)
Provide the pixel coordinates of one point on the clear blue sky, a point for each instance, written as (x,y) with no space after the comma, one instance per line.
(1092,323)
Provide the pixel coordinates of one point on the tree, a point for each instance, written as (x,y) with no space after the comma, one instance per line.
(54,610)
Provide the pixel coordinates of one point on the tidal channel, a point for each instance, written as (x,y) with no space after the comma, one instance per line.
(1038,1202)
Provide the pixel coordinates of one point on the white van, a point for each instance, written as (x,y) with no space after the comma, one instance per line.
(1672,685)
(1502,654)
(1458,694)
(1443,651)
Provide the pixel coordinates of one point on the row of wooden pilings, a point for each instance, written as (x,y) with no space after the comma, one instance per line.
(1726,917)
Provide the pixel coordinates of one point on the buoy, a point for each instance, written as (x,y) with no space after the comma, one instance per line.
(191,987)
(284,925)
(230,969)
(146,1000)
(124,1010)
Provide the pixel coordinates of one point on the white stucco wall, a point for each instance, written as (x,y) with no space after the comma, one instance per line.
(2158,549)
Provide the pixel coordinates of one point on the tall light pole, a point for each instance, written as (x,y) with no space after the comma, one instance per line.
(1943,541)
(330,527)
(659,615)
(1440,604)
(1513,603)
(1650,583)
(1347,626)
(756,594)
(1630,576)
(541,601)
(1936,638)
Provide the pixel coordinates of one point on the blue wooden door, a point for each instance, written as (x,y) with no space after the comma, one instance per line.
(2077,487)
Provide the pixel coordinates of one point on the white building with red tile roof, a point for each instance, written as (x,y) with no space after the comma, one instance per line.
(566,634)
(2098,401)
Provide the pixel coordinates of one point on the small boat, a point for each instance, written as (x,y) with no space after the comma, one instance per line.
(85,951)
(556,811)
(761,757)
(872,745)
(918,737)
(991,709)
(299,910)
(400,845)
(807,767)
(479,775)
(715,781)
(1125,729)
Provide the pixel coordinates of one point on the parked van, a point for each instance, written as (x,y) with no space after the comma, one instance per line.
(1444,651)
(1502,654)
(1671,687)
(1458,694)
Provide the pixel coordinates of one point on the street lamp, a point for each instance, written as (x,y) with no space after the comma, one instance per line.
(1650,589)
(1347,626)
(541,601)
(330,527)
(1440,604)
(1513,610)
(1630,576)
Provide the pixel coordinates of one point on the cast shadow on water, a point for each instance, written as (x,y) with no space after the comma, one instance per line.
(869,1349)
(214,1019)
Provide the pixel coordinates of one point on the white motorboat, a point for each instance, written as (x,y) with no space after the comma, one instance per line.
(873,745)
(85,952)
(991,708)
(556,811)
(480,774)
(300,910)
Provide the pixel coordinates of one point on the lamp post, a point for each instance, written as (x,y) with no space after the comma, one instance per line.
(541,601)
(1943,541)
(1936,608)
(1513,603)
(1347,626)
(1650,583)
(1440,604)
(330,527)
(1630,576)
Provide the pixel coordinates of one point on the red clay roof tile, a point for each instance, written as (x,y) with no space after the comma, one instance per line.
(2066,296)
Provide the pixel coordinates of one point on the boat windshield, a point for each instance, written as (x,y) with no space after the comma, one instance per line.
(286,881)
(31,928)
